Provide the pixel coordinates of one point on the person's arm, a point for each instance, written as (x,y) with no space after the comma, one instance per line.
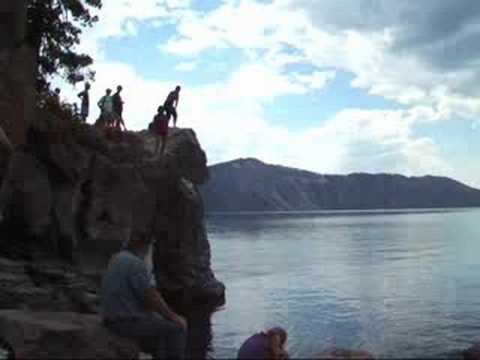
(154,301)
(176,100)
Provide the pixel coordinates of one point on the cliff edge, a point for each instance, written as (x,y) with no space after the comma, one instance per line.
(72,195)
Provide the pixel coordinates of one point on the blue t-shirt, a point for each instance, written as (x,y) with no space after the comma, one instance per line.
(124,286)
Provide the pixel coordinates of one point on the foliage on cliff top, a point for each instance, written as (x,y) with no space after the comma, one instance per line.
(53,29)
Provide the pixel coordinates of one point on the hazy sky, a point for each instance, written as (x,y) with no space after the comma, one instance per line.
(333,86)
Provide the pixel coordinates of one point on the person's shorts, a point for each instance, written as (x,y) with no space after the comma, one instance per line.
(162,128)
(170,110)
(84,111)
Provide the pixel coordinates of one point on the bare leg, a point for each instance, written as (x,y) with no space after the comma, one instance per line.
(158,144)
(164,142)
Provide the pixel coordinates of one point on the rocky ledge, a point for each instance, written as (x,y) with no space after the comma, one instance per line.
(71,197)
(62,335)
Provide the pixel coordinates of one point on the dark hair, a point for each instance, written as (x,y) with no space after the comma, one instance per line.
(160,108)
(139,235)
(178,88)
(278,331)
(119,87)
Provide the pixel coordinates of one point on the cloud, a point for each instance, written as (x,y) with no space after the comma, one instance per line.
(388,46)
(403,51)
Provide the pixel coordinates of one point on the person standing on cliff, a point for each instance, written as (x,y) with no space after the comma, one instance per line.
(171,103)
(118,109)
(85,106)
(106,106)
(133,308)
(160,128)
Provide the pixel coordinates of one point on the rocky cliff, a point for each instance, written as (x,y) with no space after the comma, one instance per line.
(251,185)
(71,196)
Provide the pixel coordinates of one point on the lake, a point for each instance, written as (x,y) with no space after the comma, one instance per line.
(396,283)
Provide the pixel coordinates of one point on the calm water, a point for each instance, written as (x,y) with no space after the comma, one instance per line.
(399,284)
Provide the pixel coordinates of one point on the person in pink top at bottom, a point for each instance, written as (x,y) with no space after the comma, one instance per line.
(265,345)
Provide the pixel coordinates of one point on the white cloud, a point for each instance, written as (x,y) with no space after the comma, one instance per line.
(229,116)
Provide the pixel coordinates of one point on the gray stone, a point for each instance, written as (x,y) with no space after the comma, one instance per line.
(62,335)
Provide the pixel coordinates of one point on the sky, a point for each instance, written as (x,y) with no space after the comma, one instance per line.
(331,86)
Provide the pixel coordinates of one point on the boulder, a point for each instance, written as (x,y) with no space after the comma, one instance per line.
(62,335)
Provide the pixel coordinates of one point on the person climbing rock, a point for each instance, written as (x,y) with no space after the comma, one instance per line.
(133,308)
(106,106)
(171,104)
(118,109)
(85,105)
(265,345)
(160,128)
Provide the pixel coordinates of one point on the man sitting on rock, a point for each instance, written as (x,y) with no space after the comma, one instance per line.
(132,307)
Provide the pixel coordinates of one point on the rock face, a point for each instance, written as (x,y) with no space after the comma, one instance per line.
(251,185)
(71,197)
(62,335)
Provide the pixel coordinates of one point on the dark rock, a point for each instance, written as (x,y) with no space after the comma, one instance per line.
(62,335)
(46,285)
(77,200)
(472,353)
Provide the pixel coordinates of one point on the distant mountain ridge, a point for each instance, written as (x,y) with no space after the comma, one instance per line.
(252,185)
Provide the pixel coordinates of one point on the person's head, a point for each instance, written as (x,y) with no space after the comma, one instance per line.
(57,91)
(109,91)
(178,88)
(119,88)
(140,242)
(87,86)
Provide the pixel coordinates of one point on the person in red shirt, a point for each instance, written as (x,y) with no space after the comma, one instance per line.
(160,128)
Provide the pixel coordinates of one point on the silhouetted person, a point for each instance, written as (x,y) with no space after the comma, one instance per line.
(56,95)
(171,104)
(160,128)
(106,106)
(118,109)
(85,106)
